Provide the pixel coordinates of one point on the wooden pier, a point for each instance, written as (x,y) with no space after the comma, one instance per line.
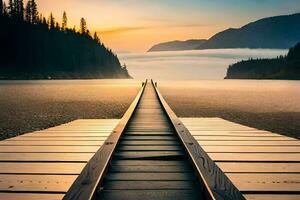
(150,154)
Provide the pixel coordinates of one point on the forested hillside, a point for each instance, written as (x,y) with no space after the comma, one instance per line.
(283,67)
(35,47)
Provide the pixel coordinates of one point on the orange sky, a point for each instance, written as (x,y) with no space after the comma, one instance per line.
(135,25)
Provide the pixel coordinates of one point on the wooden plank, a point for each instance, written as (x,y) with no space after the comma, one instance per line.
(240,134)
(48,149)
(267,157)
(40,168)
(147,162)
(160,138)
(85,185)
(251,167)
(238,138)
(51,157)
(251,143)
(149,194)
(272,196)
(71,134)
(270,182)
(149,148)
(252,149)
(148,185)
(36,183)
(150,155)
(29,196)
(50,143)
(218,185)
(44,138)
(149,143)
(150,168)
(150,177)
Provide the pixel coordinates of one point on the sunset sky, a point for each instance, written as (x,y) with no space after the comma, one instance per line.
(135,25)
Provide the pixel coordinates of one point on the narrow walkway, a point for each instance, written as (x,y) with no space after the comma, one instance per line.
(150,162)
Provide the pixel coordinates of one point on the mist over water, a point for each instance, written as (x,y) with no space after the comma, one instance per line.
(190,65)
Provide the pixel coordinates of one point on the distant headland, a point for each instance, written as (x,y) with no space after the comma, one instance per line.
(283,67)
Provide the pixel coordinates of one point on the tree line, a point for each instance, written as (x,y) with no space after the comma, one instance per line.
(36,47)
(283,67)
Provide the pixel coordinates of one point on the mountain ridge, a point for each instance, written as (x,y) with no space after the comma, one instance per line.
(276,32)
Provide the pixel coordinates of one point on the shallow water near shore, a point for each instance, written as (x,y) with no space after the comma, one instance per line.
(32,105)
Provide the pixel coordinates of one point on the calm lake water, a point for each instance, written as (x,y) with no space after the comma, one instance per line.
(190,65)
(271,105)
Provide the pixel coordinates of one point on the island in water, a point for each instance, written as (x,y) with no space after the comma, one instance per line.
(33,47)
(178,45)
(283,67)
(279,32)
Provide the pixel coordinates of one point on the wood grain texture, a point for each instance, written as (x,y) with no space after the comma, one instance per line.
(86,183)
(44,164)
(262,163)
(29,196)
(219,185)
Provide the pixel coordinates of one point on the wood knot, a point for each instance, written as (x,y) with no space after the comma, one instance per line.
(108,143)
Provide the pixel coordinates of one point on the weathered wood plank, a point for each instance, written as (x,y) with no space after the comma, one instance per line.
(48,149)
(147,162)
(149,155)
(252,149)
(270,182)
(40,168)
(251,143)
(50,143)
(149,195)
(51,157)
(29,196)
(272,196)
(149,148)
(150,176)
(148,185)
(36,183)
(149,143)
(282,157)
(238,138)
(45,138)
(251,167)
(151,168)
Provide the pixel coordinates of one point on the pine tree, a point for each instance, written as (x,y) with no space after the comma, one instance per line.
(1,7)
(11,6)
(83,27)
(64,25)
(96,38)
(20,9)
(51,21)
(28,12)
(34,12)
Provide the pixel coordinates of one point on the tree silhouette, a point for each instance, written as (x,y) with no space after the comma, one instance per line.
(83,26)
(96,38)
(34,12)
(51,21)
(1,7)
(28,12)
(11,7)
(64,24)
(19,5)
